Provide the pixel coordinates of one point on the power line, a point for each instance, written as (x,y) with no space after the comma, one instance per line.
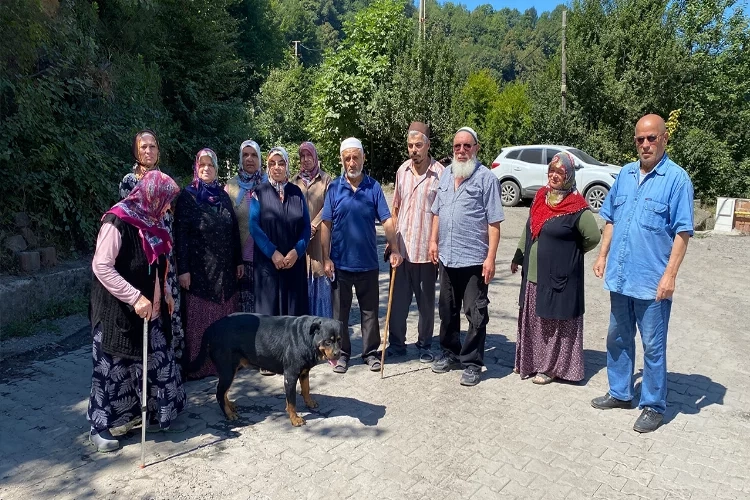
(308,48)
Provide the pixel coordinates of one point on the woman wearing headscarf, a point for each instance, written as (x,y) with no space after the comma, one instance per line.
(130,266)
(146,152)
(560,230)
(280,226)
(313,182)
(240,189)
(209,257)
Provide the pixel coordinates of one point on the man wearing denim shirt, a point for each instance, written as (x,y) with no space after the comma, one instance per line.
(649,221)
(467,213)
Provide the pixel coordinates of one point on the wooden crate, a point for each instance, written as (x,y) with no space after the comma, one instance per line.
(742,216)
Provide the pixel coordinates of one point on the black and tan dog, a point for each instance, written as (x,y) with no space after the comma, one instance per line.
(282,344)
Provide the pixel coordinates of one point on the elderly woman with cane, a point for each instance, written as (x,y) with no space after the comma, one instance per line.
(559,231)
(146,152)
(130,268)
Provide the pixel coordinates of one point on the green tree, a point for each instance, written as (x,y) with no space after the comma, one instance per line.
(350,76)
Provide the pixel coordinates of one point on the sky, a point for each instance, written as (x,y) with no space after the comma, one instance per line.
(521,5)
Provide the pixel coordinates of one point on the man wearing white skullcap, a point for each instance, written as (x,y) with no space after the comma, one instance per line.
(350,250)
(467,213)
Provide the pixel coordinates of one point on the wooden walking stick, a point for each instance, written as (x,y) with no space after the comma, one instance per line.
(144,396)
(387,319)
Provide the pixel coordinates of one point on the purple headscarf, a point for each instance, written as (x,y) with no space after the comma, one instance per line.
(205,192)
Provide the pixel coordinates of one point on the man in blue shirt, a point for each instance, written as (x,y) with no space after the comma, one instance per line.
(467,213)
(649,221)
(350,250)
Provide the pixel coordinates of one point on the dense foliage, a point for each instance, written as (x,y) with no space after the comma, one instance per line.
(78,78)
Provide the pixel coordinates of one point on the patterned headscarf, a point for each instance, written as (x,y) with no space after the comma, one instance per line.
(278,186)
(549,203)
(307,176)
(565,161)
(143,209)
(205,192)
(248,182)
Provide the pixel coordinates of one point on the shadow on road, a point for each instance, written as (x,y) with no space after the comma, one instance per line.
(688,393)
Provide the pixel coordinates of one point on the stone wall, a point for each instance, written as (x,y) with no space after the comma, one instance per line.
(21,296)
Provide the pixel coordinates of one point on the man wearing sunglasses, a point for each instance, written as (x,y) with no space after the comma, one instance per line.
(649,221)
(467,213)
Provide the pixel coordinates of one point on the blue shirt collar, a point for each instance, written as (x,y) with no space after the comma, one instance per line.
(661,167)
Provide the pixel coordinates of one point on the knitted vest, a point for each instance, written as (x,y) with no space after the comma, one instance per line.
(122,328)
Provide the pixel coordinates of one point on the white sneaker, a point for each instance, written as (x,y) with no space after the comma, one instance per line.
(104,441)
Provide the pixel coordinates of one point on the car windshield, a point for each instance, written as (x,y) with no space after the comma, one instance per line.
(586,158)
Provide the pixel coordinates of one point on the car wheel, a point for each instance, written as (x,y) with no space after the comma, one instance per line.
(595,196)
(510,193)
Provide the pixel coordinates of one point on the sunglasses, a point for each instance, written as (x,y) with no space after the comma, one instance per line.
(651,138)
(280,163)
(459,147)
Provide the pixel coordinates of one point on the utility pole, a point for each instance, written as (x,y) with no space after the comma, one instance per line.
(295,42)
(422,26)
(564,61)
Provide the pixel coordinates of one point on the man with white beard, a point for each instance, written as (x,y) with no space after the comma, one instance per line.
(467,213)
(350,250)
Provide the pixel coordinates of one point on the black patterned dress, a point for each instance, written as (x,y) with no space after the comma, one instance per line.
(127,184)
(116,385)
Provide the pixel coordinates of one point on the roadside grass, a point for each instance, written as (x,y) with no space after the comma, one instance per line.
(42,319)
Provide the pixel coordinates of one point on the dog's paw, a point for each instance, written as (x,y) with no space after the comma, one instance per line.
(297,421)
(232,415)
(311,403)
(232,406)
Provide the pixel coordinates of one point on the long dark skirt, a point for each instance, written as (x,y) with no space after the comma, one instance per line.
(281,292)
(116,385)
(201,313)
(550,346)
(247,289)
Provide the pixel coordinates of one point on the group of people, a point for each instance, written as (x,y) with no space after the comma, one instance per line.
(274,244)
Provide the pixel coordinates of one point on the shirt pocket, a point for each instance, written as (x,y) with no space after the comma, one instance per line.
(654,215)
(618,205)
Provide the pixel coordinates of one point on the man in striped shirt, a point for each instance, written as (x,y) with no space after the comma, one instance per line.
(416,185)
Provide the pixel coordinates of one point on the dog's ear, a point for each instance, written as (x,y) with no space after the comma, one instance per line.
(315,327)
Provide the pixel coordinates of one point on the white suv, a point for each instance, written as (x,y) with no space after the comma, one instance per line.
(522,170)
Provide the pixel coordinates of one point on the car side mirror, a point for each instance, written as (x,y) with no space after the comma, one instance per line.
(578,166)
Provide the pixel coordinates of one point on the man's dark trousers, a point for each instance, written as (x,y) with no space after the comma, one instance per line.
(365,285)
(413,280)
(463,286)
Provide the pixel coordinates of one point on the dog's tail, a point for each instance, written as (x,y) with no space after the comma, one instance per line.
(197,363)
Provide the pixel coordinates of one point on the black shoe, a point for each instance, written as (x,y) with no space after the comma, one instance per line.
(445,363)
(649,421)
(607,402)
(471,375)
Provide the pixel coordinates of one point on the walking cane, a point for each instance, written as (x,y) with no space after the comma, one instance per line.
(387,319)
(144,397)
